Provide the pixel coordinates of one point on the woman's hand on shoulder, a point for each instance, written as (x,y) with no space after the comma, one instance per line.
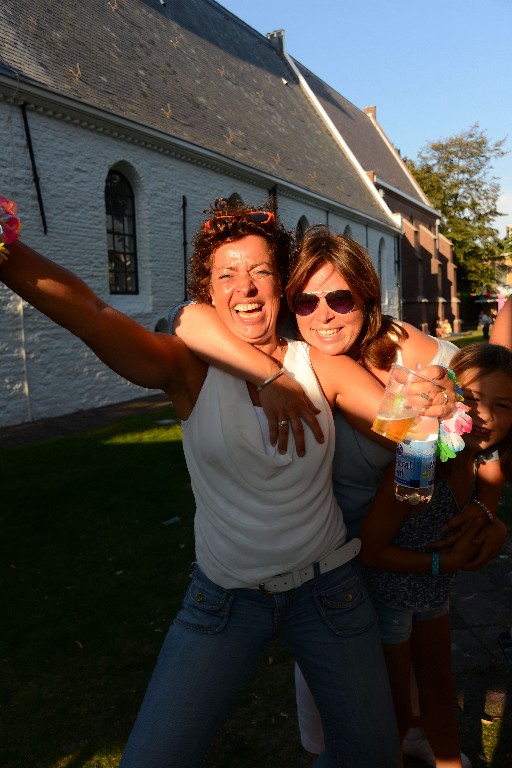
(284,400)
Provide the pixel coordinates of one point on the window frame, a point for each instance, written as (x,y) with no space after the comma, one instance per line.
(121,230)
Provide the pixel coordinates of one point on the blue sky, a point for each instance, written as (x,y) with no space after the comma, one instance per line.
(433,68)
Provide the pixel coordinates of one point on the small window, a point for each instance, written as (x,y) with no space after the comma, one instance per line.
(301,227)
(122,246)
(235,200)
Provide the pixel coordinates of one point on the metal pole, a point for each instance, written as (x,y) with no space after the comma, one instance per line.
(34,167)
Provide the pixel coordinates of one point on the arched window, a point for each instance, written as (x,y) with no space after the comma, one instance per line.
(235,200)
(301,227)
(122,246)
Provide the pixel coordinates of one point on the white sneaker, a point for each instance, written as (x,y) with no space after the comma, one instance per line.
(421,750)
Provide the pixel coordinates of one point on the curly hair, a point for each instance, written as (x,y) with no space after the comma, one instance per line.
(487,359)
(380,335)
(225,223)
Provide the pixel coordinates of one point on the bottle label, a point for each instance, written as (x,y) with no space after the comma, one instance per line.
(415,463)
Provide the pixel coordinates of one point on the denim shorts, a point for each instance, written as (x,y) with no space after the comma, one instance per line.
(395,624)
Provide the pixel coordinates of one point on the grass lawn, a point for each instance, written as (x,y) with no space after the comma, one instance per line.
(96,540)
(96,551)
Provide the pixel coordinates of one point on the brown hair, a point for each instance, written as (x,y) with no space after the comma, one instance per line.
(487,359)
(374,347)
(227,223)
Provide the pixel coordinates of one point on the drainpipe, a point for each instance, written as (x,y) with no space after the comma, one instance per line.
(34,167)
(398,273)
(272,193)
(185,258)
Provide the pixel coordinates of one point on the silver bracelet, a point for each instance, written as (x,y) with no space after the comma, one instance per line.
(270,379)
(492,518)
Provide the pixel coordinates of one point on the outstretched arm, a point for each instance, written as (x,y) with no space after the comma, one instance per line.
(501,332)
(148,359)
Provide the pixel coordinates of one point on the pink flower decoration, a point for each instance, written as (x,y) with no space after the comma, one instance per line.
(450,441)
(459,422)
(8,221)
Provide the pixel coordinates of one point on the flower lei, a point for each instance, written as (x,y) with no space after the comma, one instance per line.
(9,225)
(449,440)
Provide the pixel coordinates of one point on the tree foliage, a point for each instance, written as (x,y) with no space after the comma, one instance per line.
(455,174)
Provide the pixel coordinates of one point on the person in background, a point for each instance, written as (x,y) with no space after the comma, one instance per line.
(502,328)
(436,329)
(273,558)
(447,327)
(409,580)
(485,322)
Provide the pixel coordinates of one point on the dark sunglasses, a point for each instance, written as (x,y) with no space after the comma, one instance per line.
(339,301)
(258,217)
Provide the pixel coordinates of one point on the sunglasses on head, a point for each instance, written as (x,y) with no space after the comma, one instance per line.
(341,302)
(258,217)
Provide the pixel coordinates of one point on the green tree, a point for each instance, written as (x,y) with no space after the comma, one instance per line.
(455,174)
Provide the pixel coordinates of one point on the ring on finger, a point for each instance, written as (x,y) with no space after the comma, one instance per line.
(445,395)
(282,423)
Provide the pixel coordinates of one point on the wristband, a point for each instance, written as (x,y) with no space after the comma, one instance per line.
(436,557)
(492,518)
(270,379)
(9,225)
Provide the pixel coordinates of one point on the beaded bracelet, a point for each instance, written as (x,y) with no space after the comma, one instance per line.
(9,225)
(270,379)
(492,518)
(436,557)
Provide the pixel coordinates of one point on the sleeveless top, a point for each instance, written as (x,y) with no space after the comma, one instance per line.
(359,462)
(258,515)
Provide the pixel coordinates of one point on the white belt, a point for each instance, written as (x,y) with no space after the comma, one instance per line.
(285,581)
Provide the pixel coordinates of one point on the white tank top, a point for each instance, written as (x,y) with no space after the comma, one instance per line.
(258,515)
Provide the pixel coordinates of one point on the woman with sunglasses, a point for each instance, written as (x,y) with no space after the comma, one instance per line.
(271,548)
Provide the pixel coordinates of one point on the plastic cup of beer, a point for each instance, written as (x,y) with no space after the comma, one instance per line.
(407,393)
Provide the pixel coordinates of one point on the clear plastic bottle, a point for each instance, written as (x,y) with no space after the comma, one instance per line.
(415,463)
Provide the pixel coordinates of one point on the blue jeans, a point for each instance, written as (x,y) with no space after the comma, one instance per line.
(217,638)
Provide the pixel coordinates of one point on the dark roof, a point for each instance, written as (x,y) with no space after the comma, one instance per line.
(191,70)
(363,138)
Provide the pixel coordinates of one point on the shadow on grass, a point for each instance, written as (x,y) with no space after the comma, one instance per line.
(94,567)
(92,574)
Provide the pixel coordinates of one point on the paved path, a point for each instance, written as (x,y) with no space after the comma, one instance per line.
(44,429)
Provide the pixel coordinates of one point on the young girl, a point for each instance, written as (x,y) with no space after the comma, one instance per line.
(410,576)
